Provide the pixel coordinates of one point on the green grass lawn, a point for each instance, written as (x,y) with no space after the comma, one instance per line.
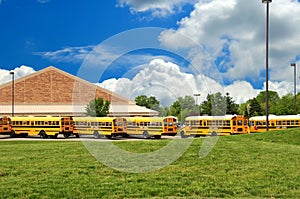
(245,166)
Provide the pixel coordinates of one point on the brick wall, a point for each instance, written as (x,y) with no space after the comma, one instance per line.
(52,86)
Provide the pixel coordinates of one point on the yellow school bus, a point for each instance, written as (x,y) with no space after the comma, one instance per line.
(44,127)
(214,125)
(258,124)
(5,125)
(148,127)
(170,125)
(100,126)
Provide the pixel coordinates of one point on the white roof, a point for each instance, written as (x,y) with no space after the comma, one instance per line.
(221,117)
(275,117)
(75,110)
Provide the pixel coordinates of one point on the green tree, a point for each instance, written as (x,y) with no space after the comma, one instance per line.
(98,107)
(273,99)
(244,109)
(164,111)
(232,107)
(285,106)
(215,104)
(205,106)
(187,102)
(184,107)
(175,110)
(142,100)
(254,108)
(151,102)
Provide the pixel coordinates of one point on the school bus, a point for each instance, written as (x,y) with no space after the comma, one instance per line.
(258,124)
(170,125)
(214,125)
(44,127)
(100,127)
(5,125)
(149,126)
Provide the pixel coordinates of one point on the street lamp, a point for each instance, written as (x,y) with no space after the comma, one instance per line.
(12,93)
(196,96)
(294,65)
(196,99)
(267,62)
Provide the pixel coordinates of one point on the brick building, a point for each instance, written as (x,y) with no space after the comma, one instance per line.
(54,92)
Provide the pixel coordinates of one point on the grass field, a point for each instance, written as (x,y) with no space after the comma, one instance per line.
(246,166)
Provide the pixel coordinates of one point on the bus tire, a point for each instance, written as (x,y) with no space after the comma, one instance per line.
(12,134)
(146,135)
(96,135)
(182,135)
(43,134)
(53,136)
(77,135)
(214,133)
(108,136)
(157,136)
(66,135)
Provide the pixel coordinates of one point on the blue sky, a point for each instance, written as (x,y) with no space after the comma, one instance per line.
(32,26)
(213,45)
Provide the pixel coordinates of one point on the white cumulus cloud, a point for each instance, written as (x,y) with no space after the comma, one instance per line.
(158,8)
(21,71)
(167,82)
(240,25)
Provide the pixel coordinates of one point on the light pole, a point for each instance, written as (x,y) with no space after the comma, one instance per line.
(295,108)
(267,62)
(196,99)
(12,93)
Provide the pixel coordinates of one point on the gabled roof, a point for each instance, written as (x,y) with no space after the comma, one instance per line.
(112,96)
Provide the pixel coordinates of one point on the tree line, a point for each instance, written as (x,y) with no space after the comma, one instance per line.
(218,104)
(214,104)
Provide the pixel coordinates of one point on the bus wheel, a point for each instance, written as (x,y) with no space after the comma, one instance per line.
(108,136)
(157,136)
(183,135)
(43,134)
(214,133)
(12,134)
(77,135)
(53,136)
(96,135)
(66,135)
(146,134)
